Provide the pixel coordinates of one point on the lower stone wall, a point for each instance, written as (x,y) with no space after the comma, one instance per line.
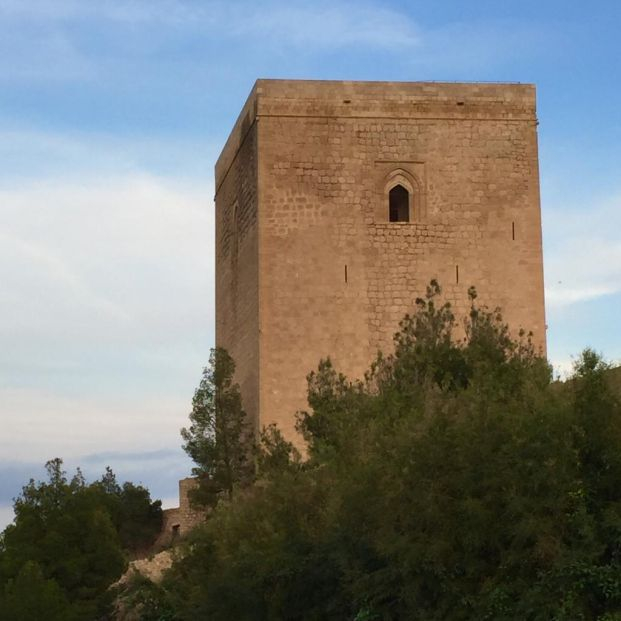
(179,521)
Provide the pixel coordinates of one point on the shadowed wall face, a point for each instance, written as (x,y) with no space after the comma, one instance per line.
(337,202)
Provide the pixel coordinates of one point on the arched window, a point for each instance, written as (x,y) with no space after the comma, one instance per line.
(401,198)
(399,204)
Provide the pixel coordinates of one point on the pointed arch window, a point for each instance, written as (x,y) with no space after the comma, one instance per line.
(402,198)
(399,204)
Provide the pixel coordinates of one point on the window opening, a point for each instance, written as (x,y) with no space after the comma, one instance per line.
(513,231)
(346,273)
(399,204)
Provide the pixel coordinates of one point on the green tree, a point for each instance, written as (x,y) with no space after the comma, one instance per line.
(70,537)
(140,519)
(63,527)
(137,519)
(219,439)
(456,482)
(31,597)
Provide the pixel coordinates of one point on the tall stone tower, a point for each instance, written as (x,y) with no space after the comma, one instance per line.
(337,202)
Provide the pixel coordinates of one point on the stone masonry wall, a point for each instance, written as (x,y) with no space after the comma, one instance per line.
(237,279)
(334,276)
(179,521)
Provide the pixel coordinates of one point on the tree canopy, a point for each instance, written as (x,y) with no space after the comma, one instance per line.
(219,439)
(457,481)
(69,542)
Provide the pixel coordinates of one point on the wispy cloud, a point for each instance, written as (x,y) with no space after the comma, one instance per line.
(323,24)
(53,157)
(558,295)
(50,271)
(68,425)
(334,24)
(106,312)
(63,245)
(583,251)
(52,40)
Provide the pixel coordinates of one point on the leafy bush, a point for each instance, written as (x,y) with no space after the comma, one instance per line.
(456,482)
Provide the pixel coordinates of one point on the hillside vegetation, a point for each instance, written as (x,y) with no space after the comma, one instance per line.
(456,482)
(69,542)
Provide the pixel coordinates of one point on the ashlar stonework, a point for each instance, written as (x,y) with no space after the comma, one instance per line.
(313,260)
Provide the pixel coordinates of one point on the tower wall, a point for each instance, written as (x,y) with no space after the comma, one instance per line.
(237,243)
(329,275)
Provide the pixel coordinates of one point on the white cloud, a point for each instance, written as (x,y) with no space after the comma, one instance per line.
(333,24)
(558,296)
(106,312)
(45,268)
(582,252)
(184,38)
(105,254)
(27,153)
(38,425)
(323,24)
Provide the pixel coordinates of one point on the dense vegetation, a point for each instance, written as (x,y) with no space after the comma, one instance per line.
(69,542)
(456,482)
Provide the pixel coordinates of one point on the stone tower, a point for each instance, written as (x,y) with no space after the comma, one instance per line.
(337,202)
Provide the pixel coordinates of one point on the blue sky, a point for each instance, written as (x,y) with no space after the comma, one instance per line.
(112,114)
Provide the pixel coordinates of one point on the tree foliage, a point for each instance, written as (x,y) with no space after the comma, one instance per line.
(219,439)
(70,540)
(137,519)
(30,596)
(456,482)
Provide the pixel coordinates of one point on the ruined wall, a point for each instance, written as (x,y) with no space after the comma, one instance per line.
(179,521)
(334,276)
